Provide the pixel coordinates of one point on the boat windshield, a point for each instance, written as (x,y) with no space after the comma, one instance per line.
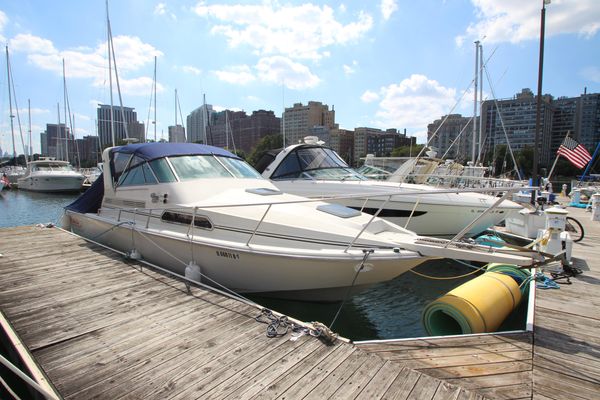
(185,168)
(211,166)
(52,167)
(315,163)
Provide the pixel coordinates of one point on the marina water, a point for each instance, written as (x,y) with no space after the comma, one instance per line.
(389,310)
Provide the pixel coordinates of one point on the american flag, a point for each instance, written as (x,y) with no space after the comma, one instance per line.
(574,152)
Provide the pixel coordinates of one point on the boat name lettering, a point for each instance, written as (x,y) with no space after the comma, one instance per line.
(227,254)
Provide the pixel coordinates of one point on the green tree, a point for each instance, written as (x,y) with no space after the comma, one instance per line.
(268,142)
(406,151)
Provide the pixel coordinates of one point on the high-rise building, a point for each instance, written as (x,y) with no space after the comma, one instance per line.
(453,136)
(89,151)
(55,142)
(515,119)
(197,123)
(176,134)
(313,119)
(235,130)
(120,116)
(342,142)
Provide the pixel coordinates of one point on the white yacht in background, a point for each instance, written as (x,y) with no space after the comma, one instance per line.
(191,207)
(314,171)
(49,175)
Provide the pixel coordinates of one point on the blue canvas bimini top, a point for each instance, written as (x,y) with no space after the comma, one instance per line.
(152,151)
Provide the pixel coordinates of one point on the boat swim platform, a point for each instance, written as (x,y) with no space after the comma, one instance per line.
(99,327)
(559,359)
(90,324)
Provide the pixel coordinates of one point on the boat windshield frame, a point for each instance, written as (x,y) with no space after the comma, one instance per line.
(179,168)
(314,162)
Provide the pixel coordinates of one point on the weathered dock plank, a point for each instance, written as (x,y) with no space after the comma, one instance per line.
(102,327)
(560,359)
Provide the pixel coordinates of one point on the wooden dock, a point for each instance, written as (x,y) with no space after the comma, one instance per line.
(96,326)
(100,327)
(560,359)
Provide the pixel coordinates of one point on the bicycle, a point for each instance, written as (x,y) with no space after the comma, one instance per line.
(575,229)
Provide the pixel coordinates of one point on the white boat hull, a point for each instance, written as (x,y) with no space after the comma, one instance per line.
(440,215)
(51,183)
(324,275)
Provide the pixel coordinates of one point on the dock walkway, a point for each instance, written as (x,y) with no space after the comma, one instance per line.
(100,327)
(560,359)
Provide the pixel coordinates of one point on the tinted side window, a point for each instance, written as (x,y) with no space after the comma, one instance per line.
(162,170)
(140,175)
(289,168)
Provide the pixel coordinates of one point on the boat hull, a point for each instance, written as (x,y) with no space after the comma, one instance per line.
(51,183)
(441,215)
(286,272)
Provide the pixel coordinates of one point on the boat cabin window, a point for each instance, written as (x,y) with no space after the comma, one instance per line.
(162,170)
(138,175)
(208,166)
(314,163)
(118,163)
(239,168)
(200,221)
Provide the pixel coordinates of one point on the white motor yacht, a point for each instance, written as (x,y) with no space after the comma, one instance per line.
(49,175)
(189,206)
(312,170)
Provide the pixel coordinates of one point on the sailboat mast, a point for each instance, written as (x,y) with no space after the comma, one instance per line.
(59,135)
(176,108)
(11,116)
(112,116)
(479,155)
(30,144)
(204,118)
(473,157)
(155,98)
(65,105)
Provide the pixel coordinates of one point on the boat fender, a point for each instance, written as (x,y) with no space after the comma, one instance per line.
(134,255)
(477,306)
(193,272)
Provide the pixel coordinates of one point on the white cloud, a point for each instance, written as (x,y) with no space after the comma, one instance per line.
(3,22)
(412,103)
(388,7)
(342,8)
(516,20)
(271,29)
(161,9)
(131,55)
(350,69)
(141,86)
(188,69)
(591,73)
(34,111)
(238,74)
(28,43)
(369,96)
(293,75)
(253,99)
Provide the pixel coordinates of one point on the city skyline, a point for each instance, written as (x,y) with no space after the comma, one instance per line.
(390,64)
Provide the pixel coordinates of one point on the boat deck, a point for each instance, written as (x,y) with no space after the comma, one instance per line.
(560,359)
(100,327)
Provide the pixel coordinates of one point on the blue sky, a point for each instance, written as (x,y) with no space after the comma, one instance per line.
(385,64)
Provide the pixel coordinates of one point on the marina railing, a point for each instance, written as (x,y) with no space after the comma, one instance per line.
(148,212)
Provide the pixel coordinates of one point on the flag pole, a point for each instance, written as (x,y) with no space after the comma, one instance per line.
(556,159)
(590,163)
